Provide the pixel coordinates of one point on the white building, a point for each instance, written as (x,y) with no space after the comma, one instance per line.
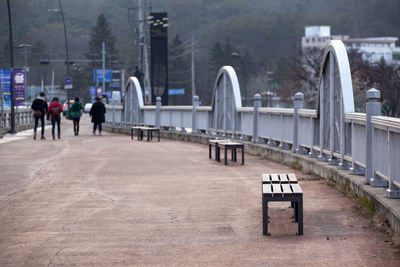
(318,37)
(371,49)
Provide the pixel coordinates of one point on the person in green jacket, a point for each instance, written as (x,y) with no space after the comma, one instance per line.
(76,113)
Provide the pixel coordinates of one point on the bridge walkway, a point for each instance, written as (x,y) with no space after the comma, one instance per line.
(107,200)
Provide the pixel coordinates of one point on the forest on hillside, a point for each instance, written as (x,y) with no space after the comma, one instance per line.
(265,34)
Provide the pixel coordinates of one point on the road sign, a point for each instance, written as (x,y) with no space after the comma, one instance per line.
(179,91)
(115,85)
(98,74)
(68,83)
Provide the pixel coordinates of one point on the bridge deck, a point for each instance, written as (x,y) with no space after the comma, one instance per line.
(108,200)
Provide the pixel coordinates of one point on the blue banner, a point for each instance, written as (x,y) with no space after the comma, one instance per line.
(5,84)
(179,91)
(92,93)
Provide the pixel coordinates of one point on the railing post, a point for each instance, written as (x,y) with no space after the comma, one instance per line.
(373,108)
(194,114)
(298,104)
(257,104)
(158,112)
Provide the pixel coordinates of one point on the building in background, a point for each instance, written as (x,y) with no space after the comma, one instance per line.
(372,49)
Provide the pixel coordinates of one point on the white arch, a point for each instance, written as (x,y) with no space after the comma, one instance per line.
(226,100)
(231,74)
(337,48)
(133,100)
(335,100)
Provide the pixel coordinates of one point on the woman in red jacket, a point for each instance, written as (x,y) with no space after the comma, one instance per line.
(55,110)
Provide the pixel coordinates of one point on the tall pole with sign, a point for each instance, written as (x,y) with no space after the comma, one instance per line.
(12,123)
(159,56)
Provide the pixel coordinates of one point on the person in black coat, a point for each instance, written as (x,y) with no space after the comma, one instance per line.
(97,113)
(39,107)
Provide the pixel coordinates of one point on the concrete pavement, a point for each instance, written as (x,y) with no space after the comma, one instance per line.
(110,201)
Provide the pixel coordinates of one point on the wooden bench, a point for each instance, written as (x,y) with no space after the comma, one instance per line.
(233,146)
(149,132)
(282,187)
(215,142)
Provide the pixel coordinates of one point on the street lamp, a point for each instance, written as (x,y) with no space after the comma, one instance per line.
(244,72)
(66,40)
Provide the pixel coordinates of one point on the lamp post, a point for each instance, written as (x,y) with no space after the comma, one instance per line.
(66,41)
(25,46)
(244,73)
(12,113)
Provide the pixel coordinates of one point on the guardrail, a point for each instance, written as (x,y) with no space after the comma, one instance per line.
(366,144)
(296,129)
(23,119)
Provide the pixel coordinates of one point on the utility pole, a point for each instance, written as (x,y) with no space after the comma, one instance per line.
(103,52)
(66,46)
(138,21)
(141,35)
(12,123)
(193,81)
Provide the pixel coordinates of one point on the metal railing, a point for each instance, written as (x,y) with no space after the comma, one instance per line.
(296,129)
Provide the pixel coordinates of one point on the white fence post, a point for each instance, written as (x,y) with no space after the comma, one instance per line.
(158,112)
(373,108)
(298,104)
(257,104)
(194,114)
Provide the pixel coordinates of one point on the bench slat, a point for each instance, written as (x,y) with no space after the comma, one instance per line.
(292,178)
(266,188)
(276,189)
(287,190)
(283,178)
(265,178)
(296,189)
(275,178)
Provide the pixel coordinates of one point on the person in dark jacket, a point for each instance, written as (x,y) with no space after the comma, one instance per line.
(39,107)
(55,110)
(76,113)
(97,113)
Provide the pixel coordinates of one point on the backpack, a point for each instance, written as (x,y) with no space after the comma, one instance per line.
(55,111)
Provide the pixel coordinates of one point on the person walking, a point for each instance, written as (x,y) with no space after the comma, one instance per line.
(55,110)
(97,113)
(76,114)
(39,107)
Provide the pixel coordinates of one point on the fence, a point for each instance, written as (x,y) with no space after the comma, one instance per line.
(365,144)
(23,119)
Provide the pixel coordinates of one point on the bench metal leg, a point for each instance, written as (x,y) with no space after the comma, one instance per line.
(265,217)
(209,151)
(232,156)
(158,135)
(131,134)
(242,156)
(217,156)
(148,136)
(225,154)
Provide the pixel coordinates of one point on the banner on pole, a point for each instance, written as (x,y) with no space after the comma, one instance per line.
(19,86)
(5,85)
